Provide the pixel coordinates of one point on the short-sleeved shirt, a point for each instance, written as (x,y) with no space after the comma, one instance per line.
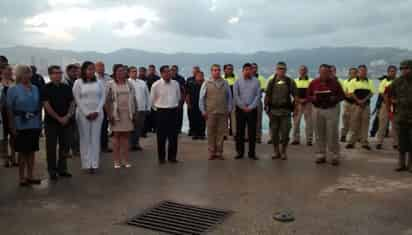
(384,84)
(25,106)
(60,97)
(361,88)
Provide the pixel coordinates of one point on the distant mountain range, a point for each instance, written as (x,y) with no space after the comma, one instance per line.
(343,57)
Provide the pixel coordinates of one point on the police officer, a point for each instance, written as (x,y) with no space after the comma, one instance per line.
(280,93)
(348,104)
(230,78)
(361,90)
(383,112)
(190,87)
(303,108)
(400,93)
(262,83)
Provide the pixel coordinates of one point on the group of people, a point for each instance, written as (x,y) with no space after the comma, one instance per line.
(83,103)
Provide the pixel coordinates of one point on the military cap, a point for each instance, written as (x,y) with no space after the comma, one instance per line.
(406,64)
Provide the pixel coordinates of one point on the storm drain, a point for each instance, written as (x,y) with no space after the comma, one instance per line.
(175,218)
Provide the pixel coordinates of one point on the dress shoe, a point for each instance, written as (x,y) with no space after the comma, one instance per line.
(53,177)
(295,142)
(401,168)
(350,146)
(65,175)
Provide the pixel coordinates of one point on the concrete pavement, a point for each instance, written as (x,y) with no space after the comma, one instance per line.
(362,196)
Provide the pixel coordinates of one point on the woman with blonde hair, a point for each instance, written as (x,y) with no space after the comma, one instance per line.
(24,106)
(121,109)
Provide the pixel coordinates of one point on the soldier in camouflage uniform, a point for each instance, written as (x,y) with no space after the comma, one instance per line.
(280,93)
(400,93)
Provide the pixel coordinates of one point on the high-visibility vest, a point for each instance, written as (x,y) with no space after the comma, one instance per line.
(361,88)
(230,80)
(384,84)
(302,85)
(262,82)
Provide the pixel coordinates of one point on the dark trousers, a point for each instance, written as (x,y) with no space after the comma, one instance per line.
(405,145)
(57,136)
(104,136)
(198,123)
(74,139)
(138,129)
(167,122)
(191,120)
(150,122)
(179,119)
(244,119)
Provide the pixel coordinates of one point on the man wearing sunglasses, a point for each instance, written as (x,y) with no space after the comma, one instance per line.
(400,95)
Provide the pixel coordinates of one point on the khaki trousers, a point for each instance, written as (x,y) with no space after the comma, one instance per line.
(360,124)
(346,118)
(280,129)
(327,131)
(383,126)
(216,131)
(304,110)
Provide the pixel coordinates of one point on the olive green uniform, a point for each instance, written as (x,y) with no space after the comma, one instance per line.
(400,91)
(279,105)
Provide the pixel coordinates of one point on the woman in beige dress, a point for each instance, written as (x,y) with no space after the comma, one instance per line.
(121,108)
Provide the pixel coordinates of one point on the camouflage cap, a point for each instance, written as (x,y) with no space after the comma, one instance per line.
(281,65)
(406,64)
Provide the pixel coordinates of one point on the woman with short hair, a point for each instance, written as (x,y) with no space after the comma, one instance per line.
(89,94)
(24,106)
(121,109)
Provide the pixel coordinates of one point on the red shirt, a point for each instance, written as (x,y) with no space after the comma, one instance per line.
(325,94)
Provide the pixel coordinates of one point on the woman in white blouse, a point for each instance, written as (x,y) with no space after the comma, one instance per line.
(89,94)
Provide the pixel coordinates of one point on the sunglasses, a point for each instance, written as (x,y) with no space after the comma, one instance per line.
(404,67)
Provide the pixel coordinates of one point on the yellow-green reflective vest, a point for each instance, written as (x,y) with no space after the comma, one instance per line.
(262,82)
(230,80)
(384,84)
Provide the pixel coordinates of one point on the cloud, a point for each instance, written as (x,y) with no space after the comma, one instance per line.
(205,25)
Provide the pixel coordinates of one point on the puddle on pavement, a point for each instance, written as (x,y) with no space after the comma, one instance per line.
(366,184)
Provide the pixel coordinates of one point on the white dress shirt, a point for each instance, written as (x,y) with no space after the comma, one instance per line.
(142,94)
(165,94)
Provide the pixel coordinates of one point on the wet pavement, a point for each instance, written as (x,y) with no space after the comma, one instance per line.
(362,196)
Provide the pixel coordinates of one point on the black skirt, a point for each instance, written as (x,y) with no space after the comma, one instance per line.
(27,141)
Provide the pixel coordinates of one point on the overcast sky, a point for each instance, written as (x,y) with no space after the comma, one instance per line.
(205,25)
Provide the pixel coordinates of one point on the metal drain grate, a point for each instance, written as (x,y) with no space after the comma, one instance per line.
(175,218)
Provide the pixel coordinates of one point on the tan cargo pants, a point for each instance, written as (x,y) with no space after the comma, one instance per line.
(216,131)
(303,110)
(383,127)
(327,131)
(359,126)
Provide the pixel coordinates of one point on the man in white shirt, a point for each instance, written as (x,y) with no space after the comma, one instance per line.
(105,78)
(165,97)
(143,107)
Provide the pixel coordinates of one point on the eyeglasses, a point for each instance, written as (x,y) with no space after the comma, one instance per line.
(404,67)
